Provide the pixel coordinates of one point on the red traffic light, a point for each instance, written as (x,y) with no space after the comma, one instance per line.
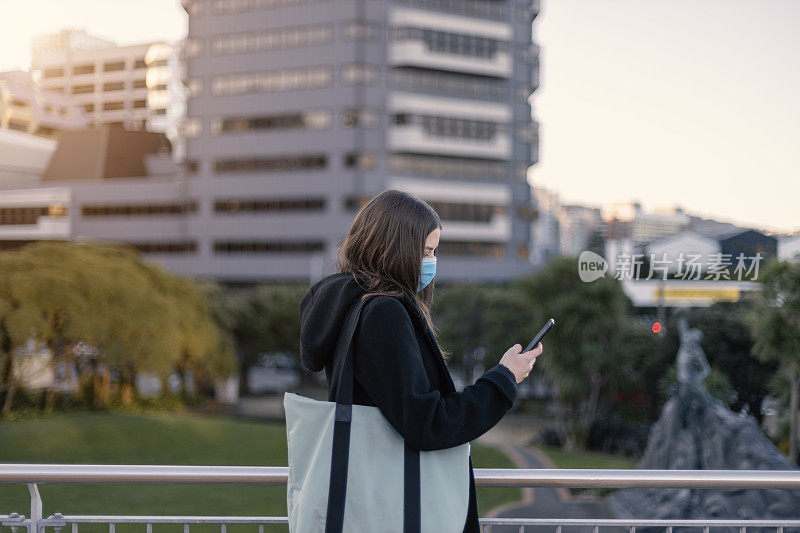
(656,327)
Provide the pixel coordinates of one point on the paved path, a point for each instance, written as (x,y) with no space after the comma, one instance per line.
(512,436)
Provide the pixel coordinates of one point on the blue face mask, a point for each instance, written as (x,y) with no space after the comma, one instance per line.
(428,271)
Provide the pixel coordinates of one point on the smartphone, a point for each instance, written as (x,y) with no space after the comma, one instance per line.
(539,336)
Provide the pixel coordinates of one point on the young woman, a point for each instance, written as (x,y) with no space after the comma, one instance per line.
(389,256)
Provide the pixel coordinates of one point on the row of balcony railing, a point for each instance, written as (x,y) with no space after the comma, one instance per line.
(35,522)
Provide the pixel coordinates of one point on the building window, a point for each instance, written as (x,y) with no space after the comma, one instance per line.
(479,8)
(449,83)
(361,118)
(113,66)
(138,104)
(307,120)
(191,166)
(236,6)
(272,164)
(159,63)
(113,106)
(165,247)
(45,131)
(192,128)
(82,89)
(360,73)
(267,247)
(139,84)
(139,63)
(55,72)
(277,39)
(17,125)
(464,212)
(361,160)
(452,127)
(361,30)
(77,70)
(113,86)
(491,250)
(353,203)
(192,47)
(138,209)
(452,43)
(15,216)
(88,108)
(249,205)
(444,166)
(272,81)
(161,111)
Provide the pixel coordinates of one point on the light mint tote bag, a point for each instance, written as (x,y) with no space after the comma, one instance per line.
(350,471)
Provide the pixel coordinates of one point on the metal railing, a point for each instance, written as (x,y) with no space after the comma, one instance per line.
(34,474)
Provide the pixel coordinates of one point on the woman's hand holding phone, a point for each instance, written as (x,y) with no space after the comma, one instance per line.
(520,363)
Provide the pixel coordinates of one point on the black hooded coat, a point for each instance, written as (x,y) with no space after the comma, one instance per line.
(399,368)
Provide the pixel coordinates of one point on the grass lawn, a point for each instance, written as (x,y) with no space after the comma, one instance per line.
(587,459)
(178,439)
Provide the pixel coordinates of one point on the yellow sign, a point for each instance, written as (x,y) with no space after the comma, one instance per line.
(717,295)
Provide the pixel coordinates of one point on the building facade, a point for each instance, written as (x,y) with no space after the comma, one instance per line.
(26,108)
(545,230)
(134,86)
(299,111)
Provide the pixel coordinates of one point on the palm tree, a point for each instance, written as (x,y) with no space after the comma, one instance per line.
(775,321)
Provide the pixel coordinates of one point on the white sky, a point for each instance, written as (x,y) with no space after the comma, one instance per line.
(687,102)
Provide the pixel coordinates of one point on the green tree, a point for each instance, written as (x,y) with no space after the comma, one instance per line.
(728,343)
(267,321)
(775,322)
(588,352)
(471,315)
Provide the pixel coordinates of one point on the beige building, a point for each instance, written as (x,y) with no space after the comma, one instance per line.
(641,226)
(26,108)
(138,86)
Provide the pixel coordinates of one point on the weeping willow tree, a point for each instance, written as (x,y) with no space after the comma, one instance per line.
(99,309)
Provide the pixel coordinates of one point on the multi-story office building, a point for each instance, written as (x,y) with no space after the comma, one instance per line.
(26,108)
(563,229)
(580,228)
(628,219)
(545,229)
(138,86)
(301,110)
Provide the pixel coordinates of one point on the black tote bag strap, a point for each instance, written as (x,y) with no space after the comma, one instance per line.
(337,488)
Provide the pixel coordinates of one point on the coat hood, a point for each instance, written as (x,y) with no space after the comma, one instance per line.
(322,312)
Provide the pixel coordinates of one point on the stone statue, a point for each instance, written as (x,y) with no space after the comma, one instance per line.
(693,366)
(699,432)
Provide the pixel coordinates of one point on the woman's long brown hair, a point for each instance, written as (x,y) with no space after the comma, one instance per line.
(384,248)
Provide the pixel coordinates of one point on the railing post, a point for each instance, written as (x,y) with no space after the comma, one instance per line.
(36,508)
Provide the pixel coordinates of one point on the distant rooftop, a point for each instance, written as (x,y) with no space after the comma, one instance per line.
(714,228)
(107,151)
